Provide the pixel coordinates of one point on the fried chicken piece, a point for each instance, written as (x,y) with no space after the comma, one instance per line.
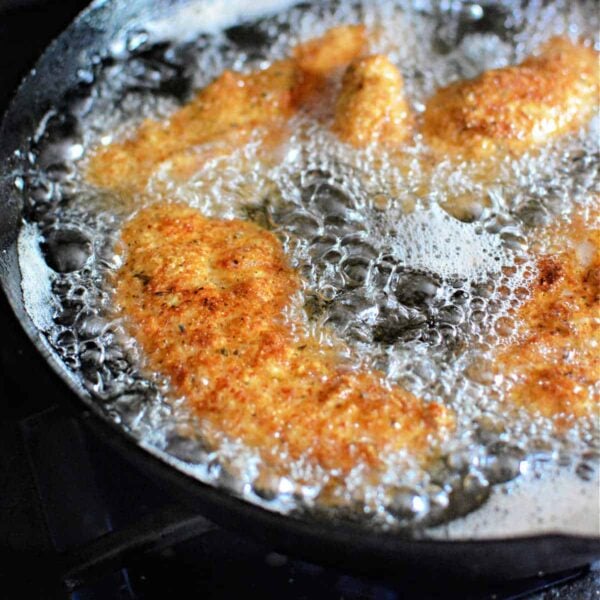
(371,105)
(227,112)
(334,50)
(555,365)
(205,299)
(516,107)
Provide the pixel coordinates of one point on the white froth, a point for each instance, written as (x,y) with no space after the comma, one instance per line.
(554,501)
(432,240)
(35,278)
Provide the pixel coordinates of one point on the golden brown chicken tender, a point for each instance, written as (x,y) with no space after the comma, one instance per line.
(228,111)
(371,106)
(516,107)
(555,366)
(336,49)
(205,299)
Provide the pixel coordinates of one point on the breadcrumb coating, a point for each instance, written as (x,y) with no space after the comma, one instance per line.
(517,107)
(228,110)
(205,298)
(555,366)
(371,105)
(336,49)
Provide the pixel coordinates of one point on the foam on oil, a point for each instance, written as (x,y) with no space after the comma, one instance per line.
(417,268)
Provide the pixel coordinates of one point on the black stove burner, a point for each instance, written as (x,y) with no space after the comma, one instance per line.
(84,523)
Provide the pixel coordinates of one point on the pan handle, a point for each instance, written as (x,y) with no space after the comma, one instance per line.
(113,551)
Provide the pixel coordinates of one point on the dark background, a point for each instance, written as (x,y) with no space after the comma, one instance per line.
(26,28)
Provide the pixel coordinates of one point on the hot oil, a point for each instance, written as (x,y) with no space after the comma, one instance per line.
(417,265)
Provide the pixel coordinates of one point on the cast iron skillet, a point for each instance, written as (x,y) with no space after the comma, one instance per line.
(342,544)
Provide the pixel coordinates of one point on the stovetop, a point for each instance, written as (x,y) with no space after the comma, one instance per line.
(86,525)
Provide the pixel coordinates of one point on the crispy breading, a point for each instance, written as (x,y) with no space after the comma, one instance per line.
(228,111)
(334,50)
(205,299)
(517,107)
(371,105)
(555,365)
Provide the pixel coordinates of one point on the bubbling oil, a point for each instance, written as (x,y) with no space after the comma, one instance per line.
(417,267)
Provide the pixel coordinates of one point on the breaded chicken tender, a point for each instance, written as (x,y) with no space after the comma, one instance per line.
(554,368)
(227,112)
(336,49)
(517,107)
(205,298)
(371,105)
